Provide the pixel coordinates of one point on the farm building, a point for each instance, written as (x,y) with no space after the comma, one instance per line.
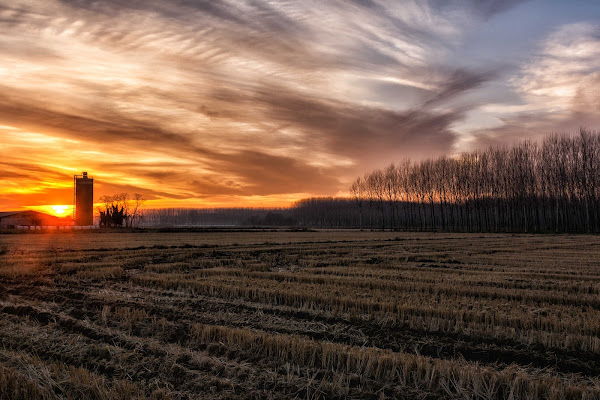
(13,219)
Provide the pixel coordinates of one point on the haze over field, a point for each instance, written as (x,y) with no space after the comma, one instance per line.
(260,103)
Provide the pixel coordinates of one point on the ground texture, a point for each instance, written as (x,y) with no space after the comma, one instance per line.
(284,315)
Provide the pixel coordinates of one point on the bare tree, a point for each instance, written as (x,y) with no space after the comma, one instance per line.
(531,187)
(357,191)
(120,210)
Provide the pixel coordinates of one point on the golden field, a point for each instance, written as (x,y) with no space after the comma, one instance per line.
(307,315)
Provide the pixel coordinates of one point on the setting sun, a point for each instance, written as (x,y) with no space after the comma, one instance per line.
(59,210)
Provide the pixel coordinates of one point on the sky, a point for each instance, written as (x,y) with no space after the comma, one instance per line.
(255,103)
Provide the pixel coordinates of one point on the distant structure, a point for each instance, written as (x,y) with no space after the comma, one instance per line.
(30,219)
(83,198)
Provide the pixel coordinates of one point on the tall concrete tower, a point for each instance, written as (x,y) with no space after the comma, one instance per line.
(83,192)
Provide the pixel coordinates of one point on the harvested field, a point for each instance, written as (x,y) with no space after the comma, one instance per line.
(285,315)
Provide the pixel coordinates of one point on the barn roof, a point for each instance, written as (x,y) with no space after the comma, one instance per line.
(9,213)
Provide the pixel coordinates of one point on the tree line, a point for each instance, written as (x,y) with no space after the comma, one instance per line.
(215,217)
(547,186)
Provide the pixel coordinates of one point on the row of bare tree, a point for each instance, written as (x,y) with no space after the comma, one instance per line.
(550,186)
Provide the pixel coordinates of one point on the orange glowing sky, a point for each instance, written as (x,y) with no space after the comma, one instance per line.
(260,103)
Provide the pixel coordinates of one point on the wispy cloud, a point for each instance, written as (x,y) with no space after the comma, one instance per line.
(210,102)
(559,87)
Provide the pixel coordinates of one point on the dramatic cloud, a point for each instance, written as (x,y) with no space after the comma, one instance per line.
(245,102)
(559,88)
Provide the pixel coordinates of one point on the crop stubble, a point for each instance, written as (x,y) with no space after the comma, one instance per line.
(328,314)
